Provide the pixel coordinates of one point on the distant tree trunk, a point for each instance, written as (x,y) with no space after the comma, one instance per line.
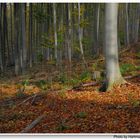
(69,33)
(23,41)
(30,36)
(126,26)
(80,34)
(1,62)
(11,35)
(96,35)
(3,39)
(113,75)
(16,38)
(55,32)
(137,23)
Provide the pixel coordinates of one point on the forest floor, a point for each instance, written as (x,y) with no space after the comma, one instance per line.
(67,110)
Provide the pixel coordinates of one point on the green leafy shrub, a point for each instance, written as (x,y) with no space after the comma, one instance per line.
(42,84)
(85,76)
(62,78)
(25,83)
(126,67)
(74,81)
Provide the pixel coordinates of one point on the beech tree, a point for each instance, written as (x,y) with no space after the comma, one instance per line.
(34,33)
(113,75)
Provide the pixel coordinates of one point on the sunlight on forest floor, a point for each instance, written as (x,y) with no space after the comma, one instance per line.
(85,110)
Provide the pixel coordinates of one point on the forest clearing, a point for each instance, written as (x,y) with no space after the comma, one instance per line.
(54,81)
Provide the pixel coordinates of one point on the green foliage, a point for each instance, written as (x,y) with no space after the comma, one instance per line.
(62,78)
(39,57)
(85,76)
(95,66)
(25,83)
(81,115)
(126,67)
(39,14)
(47,41)
(62,127)
(136,103)
(74,81)
(42,84)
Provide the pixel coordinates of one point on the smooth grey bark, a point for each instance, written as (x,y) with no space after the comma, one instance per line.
(23,39)
(55,32)
(96,31)
(69,32)
(127,25)
(1,64)
(137,23)
(16,38)
(3,36)
(80,35)
(113,75)
(30,36)
(11,34)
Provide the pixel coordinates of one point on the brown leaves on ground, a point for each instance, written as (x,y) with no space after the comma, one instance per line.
(86,111)
(71,111)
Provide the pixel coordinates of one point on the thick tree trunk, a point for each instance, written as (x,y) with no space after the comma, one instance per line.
(113,75)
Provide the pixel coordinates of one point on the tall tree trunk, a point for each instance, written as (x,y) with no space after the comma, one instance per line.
(23,39)
(11,34)
(96,35)
(80,35)
(30,36)
(127,25)
(69,33)
(55,33)
(137,23)
(1,62)
(16,38)
(113,75)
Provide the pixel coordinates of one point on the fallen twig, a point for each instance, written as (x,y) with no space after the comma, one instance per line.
(131,76)
(85,85)
(33,124)
(34,99)
(26,100)
(96,83)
